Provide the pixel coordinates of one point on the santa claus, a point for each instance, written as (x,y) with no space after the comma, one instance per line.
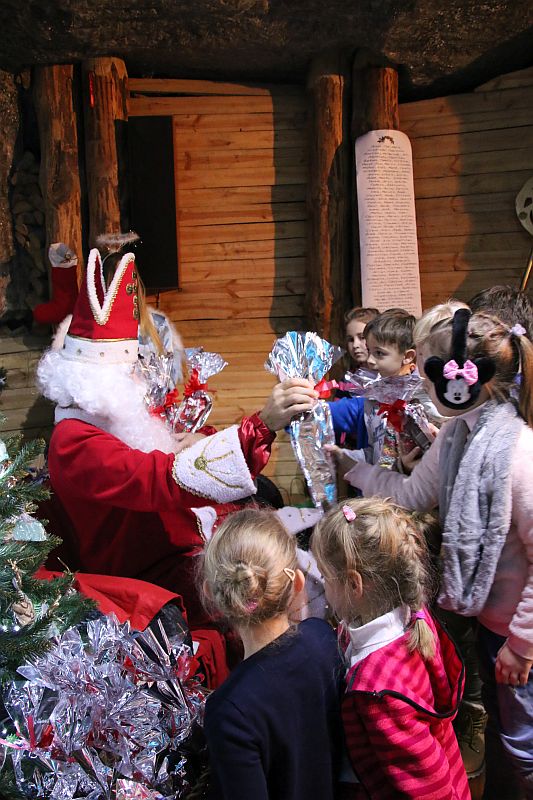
(139,501)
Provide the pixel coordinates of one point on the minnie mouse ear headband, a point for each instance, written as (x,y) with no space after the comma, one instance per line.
(458,381)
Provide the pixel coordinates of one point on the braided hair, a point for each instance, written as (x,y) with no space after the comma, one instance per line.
(385,546)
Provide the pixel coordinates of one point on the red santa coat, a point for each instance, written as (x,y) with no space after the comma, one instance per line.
(129,514)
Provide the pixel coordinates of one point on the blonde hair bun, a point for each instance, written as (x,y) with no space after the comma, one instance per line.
(244,568)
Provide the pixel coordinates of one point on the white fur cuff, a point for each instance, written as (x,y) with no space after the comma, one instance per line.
(215,468)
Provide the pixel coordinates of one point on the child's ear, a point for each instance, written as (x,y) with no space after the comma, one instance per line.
(355,583)
(409,357)
(433,368)
(299,581)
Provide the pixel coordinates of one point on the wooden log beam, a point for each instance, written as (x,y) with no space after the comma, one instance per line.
(328,196)
(9,125)
(59,176)
(104,83)
(374,107)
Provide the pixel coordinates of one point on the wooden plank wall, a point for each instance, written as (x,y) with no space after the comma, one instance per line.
(240,156)
(472,154)
(25,411)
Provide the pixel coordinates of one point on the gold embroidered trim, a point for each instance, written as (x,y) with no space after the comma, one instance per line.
(187,488)
(200,528)
(201,463)
(86,339)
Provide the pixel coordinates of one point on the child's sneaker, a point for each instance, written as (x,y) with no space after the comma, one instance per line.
(469,726)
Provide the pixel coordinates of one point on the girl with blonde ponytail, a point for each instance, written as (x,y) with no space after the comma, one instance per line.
(404,678)
(273,728)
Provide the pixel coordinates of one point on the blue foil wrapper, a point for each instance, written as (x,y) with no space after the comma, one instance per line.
(307,355)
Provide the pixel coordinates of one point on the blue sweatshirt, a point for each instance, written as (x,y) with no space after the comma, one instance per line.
(273,728)
(348,417)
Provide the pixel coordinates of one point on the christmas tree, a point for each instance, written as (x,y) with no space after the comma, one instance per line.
(31,610)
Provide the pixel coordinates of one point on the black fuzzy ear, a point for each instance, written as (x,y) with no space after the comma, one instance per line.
(433,368)
(459,334)
(485,369)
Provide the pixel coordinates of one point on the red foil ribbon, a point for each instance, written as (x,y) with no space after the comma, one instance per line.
(324,388)
(193,385)
(395,413)
(171,398)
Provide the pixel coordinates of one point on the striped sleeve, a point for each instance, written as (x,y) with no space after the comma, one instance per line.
(399,753)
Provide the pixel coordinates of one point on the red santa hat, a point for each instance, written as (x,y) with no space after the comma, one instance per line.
(105,323)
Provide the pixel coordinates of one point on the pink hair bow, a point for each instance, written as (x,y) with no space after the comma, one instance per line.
(468,371)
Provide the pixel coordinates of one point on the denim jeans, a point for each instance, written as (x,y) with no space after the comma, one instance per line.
(509,734)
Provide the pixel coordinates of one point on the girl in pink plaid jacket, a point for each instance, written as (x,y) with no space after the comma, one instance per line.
(404,678)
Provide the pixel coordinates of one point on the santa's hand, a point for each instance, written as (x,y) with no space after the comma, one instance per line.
(511,668)
(185,440)
(288,399)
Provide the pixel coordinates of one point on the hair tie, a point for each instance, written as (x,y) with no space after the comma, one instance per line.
(251,606)
(418,615)
(290,573)
(517,330)
(349,513)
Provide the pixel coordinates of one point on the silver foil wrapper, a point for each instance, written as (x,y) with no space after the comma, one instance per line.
(105,715)
(194,409)
(365,383)
(306,355)
(414,430)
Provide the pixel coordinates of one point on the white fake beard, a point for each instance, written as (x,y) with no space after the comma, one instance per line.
(110,394)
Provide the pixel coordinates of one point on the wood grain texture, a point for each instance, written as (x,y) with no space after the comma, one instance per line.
(104,83)
(59,173)
(472,153)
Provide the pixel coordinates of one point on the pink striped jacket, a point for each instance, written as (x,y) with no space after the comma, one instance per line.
(397,713)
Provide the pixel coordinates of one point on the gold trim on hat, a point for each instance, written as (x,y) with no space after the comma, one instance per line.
(86,339)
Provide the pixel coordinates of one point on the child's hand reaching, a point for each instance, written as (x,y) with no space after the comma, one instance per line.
(345,458)
(511,668)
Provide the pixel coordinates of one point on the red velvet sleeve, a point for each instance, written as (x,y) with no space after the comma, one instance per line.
(256,440)
(88,463)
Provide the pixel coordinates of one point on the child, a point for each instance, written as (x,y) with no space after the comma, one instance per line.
(356,320)
(479,471)
(389,337)
(273,728)
(403,675)
(509,304)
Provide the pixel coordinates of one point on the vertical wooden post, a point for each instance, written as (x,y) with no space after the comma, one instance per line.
(328,196)
(9,125)
(374,107)
(104,105)
(59,172)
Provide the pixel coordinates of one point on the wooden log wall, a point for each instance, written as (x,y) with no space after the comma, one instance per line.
(24,409)
(9,124)
(104,110)
(241,175)
(59,173)
(472,154)
(328,196)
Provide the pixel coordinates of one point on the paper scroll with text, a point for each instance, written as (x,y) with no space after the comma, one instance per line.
(390,274)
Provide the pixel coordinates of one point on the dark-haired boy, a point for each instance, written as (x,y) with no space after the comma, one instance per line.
(391,352)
